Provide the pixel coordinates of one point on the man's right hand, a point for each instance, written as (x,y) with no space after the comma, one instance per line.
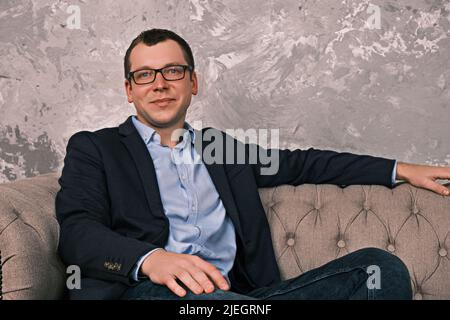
(165,268)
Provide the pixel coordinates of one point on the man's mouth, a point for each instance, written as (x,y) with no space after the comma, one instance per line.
(162,102)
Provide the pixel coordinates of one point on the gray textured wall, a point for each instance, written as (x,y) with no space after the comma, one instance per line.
(329,74)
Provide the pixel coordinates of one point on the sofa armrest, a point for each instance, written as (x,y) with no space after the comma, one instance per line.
(28,239)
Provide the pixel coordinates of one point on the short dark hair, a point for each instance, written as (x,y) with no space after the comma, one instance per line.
(154,36)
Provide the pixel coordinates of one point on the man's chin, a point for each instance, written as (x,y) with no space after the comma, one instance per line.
(162,123)
(162,119)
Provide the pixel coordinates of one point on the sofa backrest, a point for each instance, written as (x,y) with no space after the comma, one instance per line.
(314,224)
(310,224)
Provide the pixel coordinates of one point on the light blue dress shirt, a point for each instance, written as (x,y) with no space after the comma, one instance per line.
(198,222)
(394,174)
(197,218)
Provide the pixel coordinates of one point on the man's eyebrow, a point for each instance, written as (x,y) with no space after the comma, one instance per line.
(166,65)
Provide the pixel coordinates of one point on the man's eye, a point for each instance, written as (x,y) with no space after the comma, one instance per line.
(173,70)
(144,75)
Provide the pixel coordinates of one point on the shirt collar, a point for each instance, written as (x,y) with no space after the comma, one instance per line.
(148,134)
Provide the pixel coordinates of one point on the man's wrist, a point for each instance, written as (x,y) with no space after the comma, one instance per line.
(400,174)
(144,262)
(137,273)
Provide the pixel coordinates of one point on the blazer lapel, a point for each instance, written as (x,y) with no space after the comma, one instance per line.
(144,163)
(219,178)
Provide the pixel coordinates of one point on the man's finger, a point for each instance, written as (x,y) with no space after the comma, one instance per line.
(203,280)
(175,287)
(215,275)
(439,188)
(436,187)
(190,282)
(441,173)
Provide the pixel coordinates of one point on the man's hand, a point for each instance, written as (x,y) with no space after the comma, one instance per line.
(424,176)
(165,268)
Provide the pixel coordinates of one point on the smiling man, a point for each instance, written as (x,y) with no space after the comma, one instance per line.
(143,226)
(161,101)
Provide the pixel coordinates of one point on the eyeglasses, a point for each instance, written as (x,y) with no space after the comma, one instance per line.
(169,73)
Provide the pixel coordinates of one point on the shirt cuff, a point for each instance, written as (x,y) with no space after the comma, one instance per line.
(135,272)
(394,174)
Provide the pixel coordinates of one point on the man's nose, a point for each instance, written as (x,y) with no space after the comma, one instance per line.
(160,82)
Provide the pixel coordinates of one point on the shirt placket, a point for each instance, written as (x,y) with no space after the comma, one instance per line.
(185,174)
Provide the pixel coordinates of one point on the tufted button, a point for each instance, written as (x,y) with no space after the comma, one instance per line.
(366,207)
(391,247)
(442,252)
(415,210)
(341,243)
(418,296)
(290,242)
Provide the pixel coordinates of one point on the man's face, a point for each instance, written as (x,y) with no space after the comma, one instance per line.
(160,114)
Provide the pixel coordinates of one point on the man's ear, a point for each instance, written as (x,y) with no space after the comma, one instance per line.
(128,89)
(194,83)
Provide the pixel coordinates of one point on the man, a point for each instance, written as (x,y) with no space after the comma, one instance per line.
(143,226)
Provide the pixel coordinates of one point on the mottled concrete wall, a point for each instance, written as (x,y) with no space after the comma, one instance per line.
(330,74)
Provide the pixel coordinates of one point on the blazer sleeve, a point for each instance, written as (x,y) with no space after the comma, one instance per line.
(83,211)
(295,167)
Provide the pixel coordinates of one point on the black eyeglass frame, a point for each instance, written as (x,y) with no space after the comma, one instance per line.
(131,73)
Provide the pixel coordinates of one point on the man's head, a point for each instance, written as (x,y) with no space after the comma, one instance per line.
(157,49)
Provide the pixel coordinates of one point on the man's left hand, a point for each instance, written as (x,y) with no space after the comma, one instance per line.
(424,176)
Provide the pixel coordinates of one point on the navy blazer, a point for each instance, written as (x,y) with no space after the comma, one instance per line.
(110,211)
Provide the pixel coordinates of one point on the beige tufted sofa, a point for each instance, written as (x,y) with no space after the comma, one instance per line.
(311,225)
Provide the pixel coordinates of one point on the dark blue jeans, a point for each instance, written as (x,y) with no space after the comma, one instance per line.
(349,277)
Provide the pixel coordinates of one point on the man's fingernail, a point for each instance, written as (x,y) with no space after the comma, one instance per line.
(446,192)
